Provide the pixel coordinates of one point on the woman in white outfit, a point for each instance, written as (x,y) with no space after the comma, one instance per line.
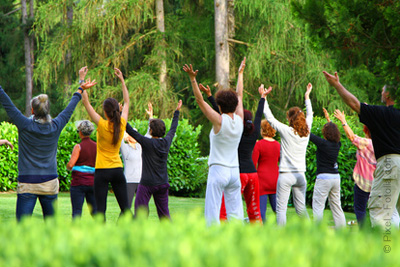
(223,175)
(292,167)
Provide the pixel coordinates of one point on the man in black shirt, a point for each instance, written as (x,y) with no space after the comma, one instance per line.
(384,125)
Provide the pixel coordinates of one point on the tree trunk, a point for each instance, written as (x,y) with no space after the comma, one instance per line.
(68,56)
(221,43)
(162,53)
(28,58)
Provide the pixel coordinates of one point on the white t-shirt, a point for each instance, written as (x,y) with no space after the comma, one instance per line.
(224,145)
(293,147)
(132,158)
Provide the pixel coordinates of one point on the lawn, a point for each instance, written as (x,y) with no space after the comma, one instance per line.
(177,205)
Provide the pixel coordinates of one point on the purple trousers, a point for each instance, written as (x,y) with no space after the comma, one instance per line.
(160,196)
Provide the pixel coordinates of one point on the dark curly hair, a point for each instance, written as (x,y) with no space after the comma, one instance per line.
(248,125)
(331,132)
(157,128)
(266,129)
(111,108)
(227,100)
(297,121)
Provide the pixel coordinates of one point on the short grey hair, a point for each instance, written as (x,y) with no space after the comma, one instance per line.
(41,108)
(85,127)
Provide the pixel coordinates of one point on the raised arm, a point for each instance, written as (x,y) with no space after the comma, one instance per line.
(342,118)
(74,157)
(210,98)
(210,114)
(239,89)
(15,114)
(309,115)
(149,112)
(125,108)
(326,114)
(259,112)
(347,97)
(174,123)
(277,125)
(85,100)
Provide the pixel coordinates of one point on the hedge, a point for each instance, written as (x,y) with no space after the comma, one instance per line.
(186,169)
(188,242)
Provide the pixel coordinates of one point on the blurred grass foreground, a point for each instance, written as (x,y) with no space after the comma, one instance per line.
(186,241)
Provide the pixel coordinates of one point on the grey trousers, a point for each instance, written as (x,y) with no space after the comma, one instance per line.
(295,181)
(384,198)
(328,188)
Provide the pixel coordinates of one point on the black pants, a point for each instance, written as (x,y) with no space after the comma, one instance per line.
(116,177)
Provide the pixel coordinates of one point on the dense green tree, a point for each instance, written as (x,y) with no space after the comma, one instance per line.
(362,36)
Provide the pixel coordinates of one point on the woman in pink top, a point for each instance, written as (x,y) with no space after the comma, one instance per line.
(266,155)
(363,173)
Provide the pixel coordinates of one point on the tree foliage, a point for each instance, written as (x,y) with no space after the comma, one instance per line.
(362,35)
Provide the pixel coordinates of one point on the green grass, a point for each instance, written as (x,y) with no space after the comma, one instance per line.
(177,206)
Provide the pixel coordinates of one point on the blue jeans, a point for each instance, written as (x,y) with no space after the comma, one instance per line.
(26,203)
(78,195)
(360,204)
(264,202)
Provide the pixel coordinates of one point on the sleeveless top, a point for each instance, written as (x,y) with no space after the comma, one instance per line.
(224,145)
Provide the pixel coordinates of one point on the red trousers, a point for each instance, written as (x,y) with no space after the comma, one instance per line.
(251,193)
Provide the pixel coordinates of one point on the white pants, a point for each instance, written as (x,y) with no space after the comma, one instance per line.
(328,188)
(295,181)
(223,180)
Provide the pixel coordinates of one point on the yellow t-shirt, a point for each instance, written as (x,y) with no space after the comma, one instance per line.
(108,154)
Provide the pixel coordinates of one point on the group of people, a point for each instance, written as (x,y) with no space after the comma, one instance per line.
(238,164)
(94,165)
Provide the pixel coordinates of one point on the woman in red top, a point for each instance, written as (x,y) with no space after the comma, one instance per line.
(266,155)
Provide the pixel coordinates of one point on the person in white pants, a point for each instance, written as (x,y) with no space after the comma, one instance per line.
(223,175)
(327,183)
(294,141)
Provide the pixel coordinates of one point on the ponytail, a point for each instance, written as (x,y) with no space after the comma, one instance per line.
(111,108)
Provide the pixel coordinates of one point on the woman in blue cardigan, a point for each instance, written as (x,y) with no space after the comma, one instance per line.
(37,142)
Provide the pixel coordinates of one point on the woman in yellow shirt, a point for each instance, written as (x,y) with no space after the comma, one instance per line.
(110,131)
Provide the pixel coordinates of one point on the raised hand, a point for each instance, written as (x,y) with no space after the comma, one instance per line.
(119,74)
(242,65)
(82,73)
(332,79)
(263,91)
(179,105)
(88,84)
(6,143)
(149,111)
(340,116)
(308,91)
(326,115)
(205,90)
(189,70)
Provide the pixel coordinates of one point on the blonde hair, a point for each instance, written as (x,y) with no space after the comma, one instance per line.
(41,108)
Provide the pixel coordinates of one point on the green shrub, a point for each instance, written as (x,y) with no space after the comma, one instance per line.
(188,242)
(8,157)
(346,160)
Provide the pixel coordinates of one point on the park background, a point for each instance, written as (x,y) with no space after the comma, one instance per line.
(288,44)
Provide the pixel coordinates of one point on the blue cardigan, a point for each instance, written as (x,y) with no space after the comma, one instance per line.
(37,162)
